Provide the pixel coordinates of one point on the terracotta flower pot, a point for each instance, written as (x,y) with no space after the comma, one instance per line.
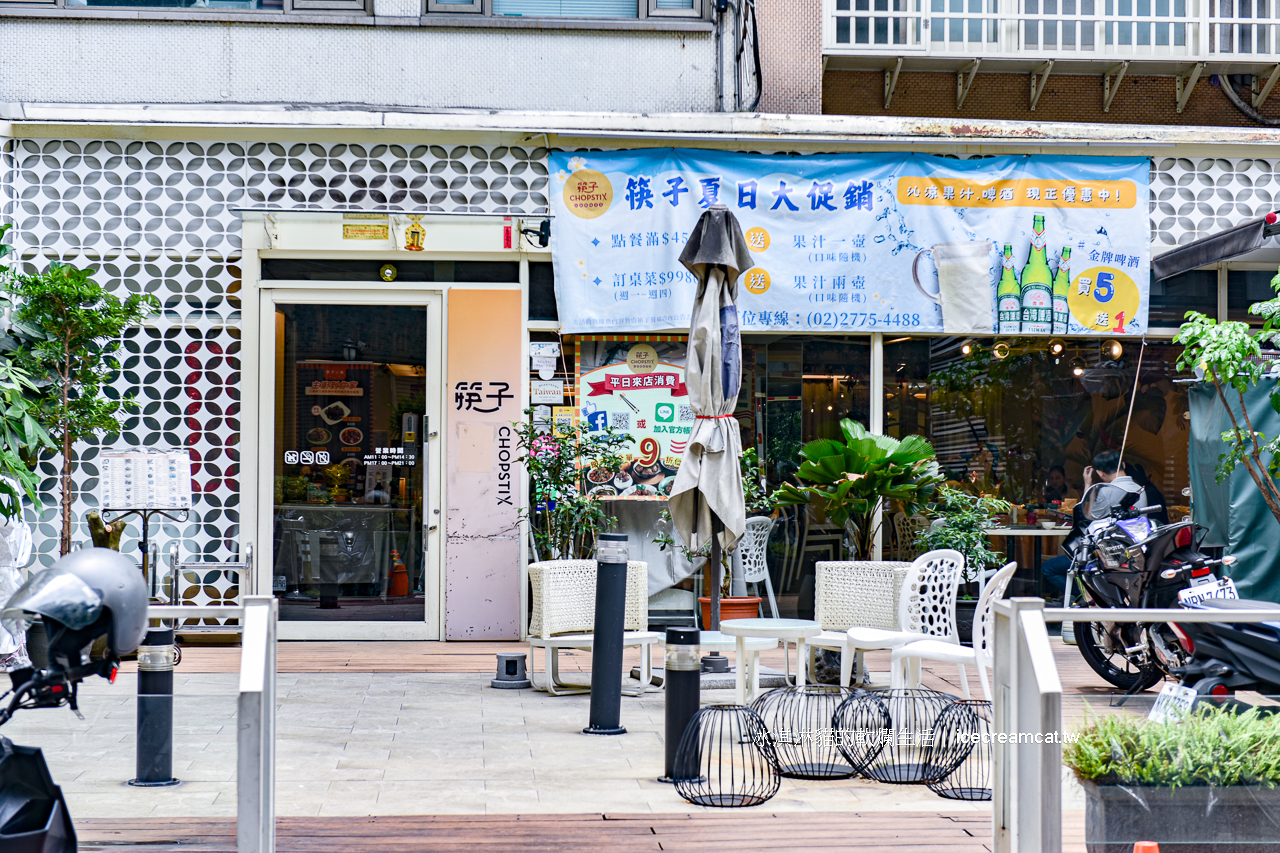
(742,607)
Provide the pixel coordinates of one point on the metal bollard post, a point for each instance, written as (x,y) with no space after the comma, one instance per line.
(683,682)
(154,762)
(606,648)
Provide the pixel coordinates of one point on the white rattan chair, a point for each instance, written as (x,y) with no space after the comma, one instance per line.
(926,610)
(849,593)
(905,661)
(563,617)
(753,547)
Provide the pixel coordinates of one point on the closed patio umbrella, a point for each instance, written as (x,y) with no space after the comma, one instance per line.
(706,499)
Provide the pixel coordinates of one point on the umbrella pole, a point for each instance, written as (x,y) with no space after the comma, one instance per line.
(714,662)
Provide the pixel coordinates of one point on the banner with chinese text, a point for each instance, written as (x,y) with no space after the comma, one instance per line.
(858,242)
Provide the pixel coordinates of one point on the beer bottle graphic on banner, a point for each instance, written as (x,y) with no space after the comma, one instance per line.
(1037,284)
(1061,284)
(1009,296)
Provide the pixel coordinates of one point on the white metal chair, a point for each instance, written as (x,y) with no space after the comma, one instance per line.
(926,610)
(849,593)
(752,547)
(564,615)
(907,658)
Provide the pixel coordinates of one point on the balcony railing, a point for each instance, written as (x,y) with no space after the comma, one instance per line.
(1118,30)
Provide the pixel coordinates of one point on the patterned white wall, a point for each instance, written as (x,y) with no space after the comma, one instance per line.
(1192,197)
(158,217)
(100,61)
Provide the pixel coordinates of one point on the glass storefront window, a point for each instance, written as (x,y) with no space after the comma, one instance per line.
(1245,288)
(1172,298)
(349,469)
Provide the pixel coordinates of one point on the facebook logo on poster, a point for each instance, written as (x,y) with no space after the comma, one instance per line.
(598,420)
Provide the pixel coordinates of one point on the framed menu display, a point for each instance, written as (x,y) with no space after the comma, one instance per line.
(138,479)
(635,384)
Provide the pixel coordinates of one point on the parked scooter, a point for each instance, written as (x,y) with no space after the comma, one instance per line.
(1227,657)
(86,595)
(1121,559)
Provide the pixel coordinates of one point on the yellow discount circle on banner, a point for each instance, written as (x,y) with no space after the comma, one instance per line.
(757,280)
(1104,299)
(757,239)
(587,193)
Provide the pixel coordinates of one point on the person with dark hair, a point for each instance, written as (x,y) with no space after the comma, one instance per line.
(1057,489)
(1154,497)
(1105,469)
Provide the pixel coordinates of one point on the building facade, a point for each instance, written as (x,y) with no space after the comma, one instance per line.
(258,168)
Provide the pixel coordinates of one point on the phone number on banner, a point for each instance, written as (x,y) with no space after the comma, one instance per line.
(829,319)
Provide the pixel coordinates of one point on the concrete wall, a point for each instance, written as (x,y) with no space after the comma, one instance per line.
(111,61)
(1075,98)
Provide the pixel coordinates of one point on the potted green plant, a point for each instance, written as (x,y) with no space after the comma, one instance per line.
(73,328)
(758,502)
(1203,782)
(962,521)
(563,517)
(850,480)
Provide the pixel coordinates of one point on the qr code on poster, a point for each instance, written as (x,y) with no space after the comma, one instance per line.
(686,414)
(620,420)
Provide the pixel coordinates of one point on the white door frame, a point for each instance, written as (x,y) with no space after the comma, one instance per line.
(273,293)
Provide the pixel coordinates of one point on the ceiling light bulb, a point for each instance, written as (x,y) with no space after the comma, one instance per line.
(1057,346)
(1114,349)
(1000,350)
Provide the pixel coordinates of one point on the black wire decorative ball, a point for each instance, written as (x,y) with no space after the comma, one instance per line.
(805,738)
(964,731)
(726,758)
(888,735)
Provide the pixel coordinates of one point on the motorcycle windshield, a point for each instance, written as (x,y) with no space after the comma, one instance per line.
(55,594)
(1099,499)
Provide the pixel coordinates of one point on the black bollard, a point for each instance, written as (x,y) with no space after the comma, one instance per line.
(683,682)
(606,647)
(154,763)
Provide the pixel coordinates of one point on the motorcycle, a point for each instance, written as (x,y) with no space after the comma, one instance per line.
(1122,559)
(1227,657)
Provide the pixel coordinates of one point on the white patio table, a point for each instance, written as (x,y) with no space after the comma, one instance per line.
(775,629)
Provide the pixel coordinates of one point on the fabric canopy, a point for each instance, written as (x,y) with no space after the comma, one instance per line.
(1214,248)
(709,479)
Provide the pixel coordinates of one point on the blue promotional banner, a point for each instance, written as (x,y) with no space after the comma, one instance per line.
(859,242)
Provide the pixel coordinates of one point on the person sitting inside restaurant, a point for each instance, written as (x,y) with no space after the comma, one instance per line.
(1056,489)
(1105,469)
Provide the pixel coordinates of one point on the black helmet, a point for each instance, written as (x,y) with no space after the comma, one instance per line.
(87,594)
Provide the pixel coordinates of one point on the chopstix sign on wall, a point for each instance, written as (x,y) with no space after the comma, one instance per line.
(866,242)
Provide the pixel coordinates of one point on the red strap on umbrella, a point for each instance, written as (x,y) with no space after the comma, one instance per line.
(711,417)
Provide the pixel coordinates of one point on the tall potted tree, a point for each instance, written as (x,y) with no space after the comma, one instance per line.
(849,480)
(76,327)
(962,523)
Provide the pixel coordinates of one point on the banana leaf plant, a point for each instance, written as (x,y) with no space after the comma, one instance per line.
(849,480)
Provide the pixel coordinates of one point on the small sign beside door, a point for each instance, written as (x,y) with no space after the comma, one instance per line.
(546,393)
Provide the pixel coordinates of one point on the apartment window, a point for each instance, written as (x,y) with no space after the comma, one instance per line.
(616,9)
(1172,298)
(1245,288)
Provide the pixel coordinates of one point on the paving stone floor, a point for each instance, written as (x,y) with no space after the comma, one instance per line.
(397,744)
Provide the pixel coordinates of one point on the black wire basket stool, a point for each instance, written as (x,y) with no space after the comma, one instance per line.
(965,728)
(805,738)
(726,758)
(888,735)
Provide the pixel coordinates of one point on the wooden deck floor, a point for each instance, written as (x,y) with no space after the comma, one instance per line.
(740,832)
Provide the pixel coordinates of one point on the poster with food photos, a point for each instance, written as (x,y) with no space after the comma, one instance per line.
(333,412)
(635,384)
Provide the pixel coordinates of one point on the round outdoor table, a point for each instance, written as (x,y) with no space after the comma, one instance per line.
(774,629)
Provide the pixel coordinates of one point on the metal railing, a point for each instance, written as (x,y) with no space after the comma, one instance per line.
(1026,773)
(255,713)
(1116,30)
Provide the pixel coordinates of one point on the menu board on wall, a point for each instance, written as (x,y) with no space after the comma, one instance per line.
(142,480)
(635,384)
(333,412)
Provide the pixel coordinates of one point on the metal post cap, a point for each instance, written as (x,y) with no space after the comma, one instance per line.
(682,636)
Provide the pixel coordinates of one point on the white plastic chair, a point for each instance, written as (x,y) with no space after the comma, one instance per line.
(908,657)
(926,610)
(752,548)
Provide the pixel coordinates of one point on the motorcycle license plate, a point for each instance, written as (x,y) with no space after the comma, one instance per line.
(1224,588)
(1173,703)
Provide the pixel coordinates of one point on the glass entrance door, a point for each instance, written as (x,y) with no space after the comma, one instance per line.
(351,487)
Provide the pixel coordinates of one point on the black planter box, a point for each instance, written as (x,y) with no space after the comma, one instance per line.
(1238,819)
(965,610)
